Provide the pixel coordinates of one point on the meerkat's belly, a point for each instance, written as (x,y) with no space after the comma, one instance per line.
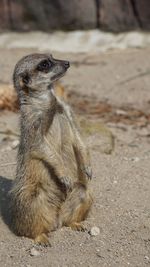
(61,138)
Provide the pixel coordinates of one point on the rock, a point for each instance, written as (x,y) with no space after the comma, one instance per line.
(34,252)
(146,258)
(121,112)
(97,136)
(48,15)
(11,15)
(94,231)
(142,9)
(15,144)
(135,159)
(77,14)
(116,15)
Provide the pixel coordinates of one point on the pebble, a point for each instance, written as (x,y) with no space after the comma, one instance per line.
(15,144)
(34,252)
(94,231)
(135,159)
(120,112)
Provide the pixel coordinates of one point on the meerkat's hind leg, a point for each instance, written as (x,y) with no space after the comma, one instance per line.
(76,207)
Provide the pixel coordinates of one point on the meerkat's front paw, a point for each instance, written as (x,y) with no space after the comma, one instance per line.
(88,171)
(77,226)
(42,240)
(67,182)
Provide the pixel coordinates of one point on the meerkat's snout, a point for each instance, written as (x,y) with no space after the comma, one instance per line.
(59,69)
(67,64)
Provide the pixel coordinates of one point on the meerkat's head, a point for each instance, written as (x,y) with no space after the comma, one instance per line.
(37,72)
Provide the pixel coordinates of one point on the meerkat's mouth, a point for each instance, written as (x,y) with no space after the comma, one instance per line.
(58,76)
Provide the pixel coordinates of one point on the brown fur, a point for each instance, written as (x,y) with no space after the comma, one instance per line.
(51,185)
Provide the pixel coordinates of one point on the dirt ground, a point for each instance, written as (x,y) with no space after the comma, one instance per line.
(111,89)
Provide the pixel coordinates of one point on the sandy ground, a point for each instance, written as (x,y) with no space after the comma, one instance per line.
(121,182)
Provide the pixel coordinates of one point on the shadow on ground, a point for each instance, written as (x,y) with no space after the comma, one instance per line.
(5,185)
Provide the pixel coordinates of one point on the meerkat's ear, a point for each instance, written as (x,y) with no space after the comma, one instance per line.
(26,78)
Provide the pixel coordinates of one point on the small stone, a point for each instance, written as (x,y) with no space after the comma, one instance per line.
(94,231)
(120,112)
(135,159)
(15,144)
(146,258)
(34,252)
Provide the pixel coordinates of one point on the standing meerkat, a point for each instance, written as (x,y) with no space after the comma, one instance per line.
(51,188)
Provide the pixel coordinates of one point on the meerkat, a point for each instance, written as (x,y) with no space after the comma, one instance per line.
(51,188)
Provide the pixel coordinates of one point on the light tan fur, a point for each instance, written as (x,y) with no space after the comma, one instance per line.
(51,188)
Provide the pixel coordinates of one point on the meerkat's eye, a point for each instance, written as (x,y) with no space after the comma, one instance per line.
(45,65)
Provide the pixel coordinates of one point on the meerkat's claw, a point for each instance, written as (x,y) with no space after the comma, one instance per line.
(88,172)
(67,182)
(78,227)
(42,240)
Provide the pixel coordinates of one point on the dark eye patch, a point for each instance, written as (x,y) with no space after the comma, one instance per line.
(44,65)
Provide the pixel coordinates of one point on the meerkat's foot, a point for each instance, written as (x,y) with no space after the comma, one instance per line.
(42,240)
(77,226)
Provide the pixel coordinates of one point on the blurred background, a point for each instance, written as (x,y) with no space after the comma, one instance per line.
(75,26)
(48,15)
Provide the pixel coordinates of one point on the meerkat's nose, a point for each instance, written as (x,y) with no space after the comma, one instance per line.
(67,64)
